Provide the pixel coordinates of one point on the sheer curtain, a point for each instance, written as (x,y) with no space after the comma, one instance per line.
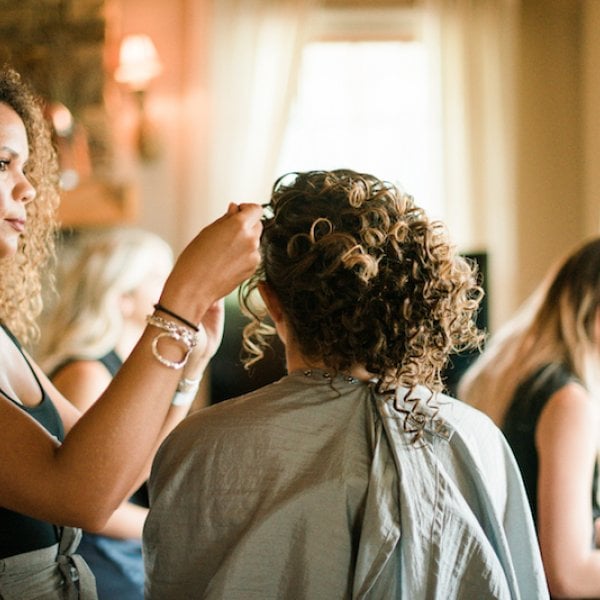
(257,49)
(473,46)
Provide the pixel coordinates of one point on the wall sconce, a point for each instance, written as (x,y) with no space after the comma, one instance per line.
(138,66)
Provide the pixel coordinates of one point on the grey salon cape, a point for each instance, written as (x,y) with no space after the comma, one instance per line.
(318,489)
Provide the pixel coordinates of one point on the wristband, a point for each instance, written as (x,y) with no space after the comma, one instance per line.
(169,312)
(183,398)
(186,391)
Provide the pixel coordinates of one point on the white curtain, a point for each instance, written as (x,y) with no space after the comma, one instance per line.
(473,46)
(257,47)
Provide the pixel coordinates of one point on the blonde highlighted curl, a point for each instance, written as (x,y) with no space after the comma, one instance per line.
(364,278)
(21,275)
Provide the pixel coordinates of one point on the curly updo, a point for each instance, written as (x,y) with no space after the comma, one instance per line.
(364,278)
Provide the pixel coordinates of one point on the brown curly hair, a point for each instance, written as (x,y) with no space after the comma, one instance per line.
(21,275)
(364,278)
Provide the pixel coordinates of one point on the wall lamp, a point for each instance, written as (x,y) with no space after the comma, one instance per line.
(138,65)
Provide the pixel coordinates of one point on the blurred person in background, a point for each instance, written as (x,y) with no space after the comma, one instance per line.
(109,280)
(539,379)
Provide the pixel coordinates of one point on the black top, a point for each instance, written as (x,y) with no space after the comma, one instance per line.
(20,533)
(110,360)
(521,421)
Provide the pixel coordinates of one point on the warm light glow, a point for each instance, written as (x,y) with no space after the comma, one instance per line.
(138,62)
(366,106)
(61,117)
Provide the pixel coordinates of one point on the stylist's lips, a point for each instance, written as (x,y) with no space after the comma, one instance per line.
(17,224)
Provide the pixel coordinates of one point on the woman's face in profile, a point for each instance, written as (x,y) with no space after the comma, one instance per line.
(15,189)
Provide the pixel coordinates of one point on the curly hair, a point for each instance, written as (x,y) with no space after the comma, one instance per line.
(21,275)
(364,278)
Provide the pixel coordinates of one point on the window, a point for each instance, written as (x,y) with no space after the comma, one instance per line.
(365,105)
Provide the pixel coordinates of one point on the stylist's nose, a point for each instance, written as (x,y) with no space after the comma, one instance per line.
(24,191)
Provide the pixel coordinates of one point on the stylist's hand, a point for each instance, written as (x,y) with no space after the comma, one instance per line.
(213,323)
(209,340)
(211,331)
(216,261)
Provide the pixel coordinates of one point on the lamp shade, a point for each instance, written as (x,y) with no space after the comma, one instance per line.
(138,61)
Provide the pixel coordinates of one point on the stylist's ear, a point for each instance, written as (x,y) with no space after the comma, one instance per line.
(271,301)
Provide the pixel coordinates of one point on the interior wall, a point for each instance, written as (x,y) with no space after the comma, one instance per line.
(550,207)
(170,186)
(557,141)
(591,116)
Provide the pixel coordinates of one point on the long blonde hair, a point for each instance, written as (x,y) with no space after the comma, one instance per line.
(96,270)
(558,325)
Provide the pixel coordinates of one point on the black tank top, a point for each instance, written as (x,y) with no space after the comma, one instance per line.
(521,421)
(20,533)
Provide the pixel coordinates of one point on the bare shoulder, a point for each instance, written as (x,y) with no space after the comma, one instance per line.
(572,397)
(569,411)
(82,382)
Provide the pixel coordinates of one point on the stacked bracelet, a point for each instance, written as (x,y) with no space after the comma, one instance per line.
(169,312)
(175,332)
(186,391)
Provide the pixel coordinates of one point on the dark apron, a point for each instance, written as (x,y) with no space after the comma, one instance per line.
(53,573)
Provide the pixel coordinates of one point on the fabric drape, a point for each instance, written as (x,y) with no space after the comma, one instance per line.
(473,47)
(256,56)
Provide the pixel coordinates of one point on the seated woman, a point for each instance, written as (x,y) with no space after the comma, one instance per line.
(539,378)
(109,280)
(353,475)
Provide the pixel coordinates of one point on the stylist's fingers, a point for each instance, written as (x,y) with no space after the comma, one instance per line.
(212,324)
(253,215)
(252,211)
(249,206)
(220,257)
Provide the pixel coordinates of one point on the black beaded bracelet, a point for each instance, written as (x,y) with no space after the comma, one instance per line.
(160,307)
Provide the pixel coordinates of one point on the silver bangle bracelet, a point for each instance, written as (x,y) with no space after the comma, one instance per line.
(175,332)
(172,364)
(188,337)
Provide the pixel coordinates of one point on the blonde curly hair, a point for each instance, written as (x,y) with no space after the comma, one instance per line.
(21,274)
(364,278)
